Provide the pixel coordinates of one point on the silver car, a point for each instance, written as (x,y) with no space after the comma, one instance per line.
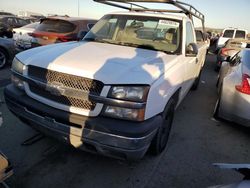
(234,89)
(22,36)
(7,51)
(244,169)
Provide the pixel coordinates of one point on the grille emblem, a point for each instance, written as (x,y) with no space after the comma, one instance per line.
(55,88)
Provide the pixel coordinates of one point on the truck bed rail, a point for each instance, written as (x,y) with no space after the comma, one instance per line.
(132,5)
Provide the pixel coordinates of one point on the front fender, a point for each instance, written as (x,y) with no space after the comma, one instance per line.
(162,90)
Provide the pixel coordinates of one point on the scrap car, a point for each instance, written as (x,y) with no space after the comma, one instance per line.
(232,46)
(56,29)
(234,89)
(114,92)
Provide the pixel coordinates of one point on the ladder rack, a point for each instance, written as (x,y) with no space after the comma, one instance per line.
(132,5)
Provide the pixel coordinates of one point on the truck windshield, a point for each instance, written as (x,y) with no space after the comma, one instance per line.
(228,33)
(240,34)
(138,31)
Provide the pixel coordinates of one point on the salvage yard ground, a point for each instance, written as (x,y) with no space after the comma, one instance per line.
(196,142)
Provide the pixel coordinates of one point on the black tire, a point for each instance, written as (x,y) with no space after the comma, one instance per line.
(161,138)
(217,83)
(3,58)
(217,68)
(217,106)
(196,82)
(216,110)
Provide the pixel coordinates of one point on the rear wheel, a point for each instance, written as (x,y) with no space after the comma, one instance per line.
(3,58)
(162,136)
(216,109)
(217,105)
(218,81)
(217,68)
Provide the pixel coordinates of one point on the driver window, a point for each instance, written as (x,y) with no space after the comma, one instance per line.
(108,29)
(10,21)
(189,34)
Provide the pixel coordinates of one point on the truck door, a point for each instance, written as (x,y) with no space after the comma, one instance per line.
(191,63)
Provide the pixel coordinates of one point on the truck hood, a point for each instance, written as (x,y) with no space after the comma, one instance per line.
(111,64)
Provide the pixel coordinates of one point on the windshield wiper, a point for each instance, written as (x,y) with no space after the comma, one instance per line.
(143,46)
(89,39)
(149,47)
(99,40)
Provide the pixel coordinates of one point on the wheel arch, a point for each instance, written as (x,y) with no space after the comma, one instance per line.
(6,52)
(157,105)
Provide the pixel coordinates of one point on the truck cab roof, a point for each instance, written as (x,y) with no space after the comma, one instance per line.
(152,14)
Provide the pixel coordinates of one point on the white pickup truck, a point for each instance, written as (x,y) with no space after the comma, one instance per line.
(114,92)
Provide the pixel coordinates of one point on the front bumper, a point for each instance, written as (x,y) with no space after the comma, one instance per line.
(107,136)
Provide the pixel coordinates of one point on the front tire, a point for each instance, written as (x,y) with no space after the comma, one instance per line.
(161,138)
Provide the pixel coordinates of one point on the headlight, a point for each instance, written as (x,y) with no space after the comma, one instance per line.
(17,66)
(137,94)
(125,113)
(131,93)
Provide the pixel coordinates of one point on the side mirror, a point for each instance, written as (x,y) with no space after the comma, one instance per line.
(192,50)
(81,34)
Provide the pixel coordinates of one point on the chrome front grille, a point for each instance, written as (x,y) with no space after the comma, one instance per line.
(71,83)
(65,100)
(68,80)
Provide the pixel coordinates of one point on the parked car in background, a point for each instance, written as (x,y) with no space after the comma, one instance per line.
(5,32)
(202,38)
(231,47)
(23,35)
(37,17)
(30,19)
(60,29)
(234,89)
(13,22)
(7,51)
(211,34)
(6,14)
(243,169)
(231,33)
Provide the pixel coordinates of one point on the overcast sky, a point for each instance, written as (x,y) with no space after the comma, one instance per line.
(218,14)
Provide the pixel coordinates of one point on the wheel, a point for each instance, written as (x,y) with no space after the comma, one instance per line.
(160,140)
(217,82)
(217,68)
(3,58)
(217,105)
(196,82)
(216,110)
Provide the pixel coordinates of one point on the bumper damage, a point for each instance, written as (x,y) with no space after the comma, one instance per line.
(106,136)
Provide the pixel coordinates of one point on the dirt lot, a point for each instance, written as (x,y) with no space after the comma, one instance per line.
(196,142)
